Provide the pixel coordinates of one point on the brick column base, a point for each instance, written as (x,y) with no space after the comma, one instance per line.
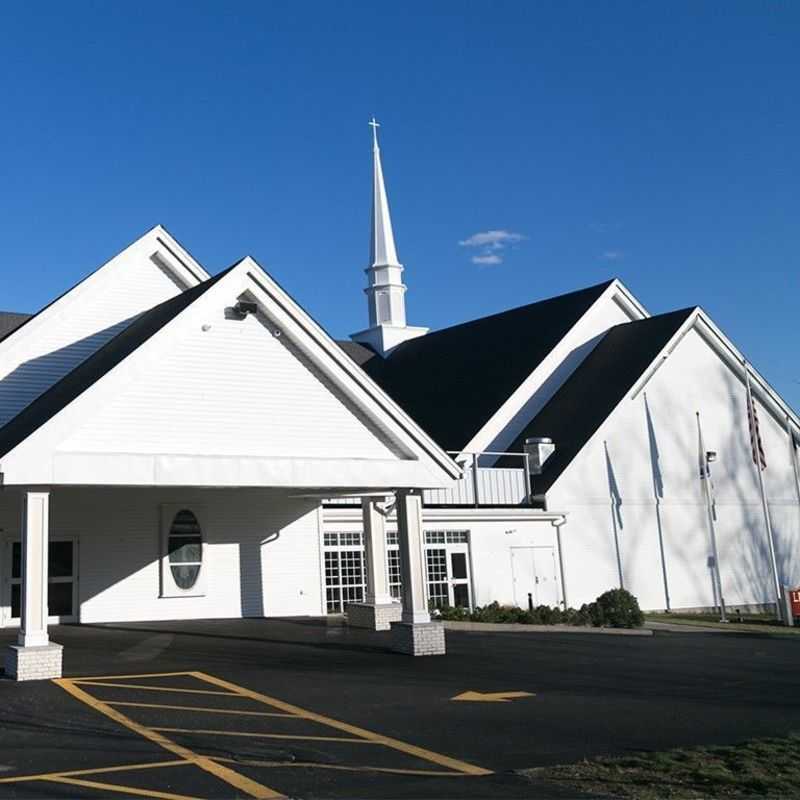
(33,663)
(376,617)
(422,639)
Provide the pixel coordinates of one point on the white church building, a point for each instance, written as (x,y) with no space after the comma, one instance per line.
(177,446)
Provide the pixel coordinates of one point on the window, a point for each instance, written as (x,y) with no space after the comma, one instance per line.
(393,563)
(436,563)
(447,567)
(446,563)
(182,552)
(345,576)
(185,549)
(61,580)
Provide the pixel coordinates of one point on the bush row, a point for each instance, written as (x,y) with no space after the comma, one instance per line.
(616,608)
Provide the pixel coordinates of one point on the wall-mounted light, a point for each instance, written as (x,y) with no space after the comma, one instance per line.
(711,456)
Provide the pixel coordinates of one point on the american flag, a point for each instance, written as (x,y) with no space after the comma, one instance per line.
(756,445)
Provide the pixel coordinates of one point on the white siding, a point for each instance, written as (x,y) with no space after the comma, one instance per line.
(234,389)
(692,380)
(253,539)
(30,364)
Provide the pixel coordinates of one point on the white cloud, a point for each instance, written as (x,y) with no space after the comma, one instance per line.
(612,255)
(495,240)
(487,259)
(491,244)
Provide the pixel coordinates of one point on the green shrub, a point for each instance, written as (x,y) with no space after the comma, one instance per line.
(616,608)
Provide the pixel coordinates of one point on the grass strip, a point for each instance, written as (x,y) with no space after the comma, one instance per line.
(756,768)
(747,625)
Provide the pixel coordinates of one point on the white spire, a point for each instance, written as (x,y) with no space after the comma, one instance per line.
(385,288)
(381,244)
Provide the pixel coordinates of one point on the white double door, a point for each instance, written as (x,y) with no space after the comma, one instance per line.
(62,581)
(533,570)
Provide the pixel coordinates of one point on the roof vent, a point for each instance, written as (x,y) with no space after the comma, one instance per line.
(538,449)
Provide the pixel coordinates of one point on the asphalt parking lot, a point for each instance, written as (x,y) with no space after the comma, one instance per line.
(309,708)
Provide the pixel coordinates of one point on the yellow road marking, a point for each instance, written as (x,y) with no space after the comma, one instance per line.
(207,710)
(249,734)
(96,771)
(128,677)
(491,697)
(152,688)
(341,767)
(231,777)
(396,744)
(113,787)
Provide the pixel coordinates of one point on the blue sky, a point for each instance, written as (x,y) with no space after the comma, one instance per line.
(653,141)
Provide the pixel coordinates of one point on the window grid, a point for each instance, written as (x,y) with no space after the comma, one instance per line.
(436,562)
(345,573)
(345,576)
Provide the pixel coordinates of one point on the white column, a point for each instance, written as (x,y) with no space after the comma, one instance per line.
(375,553)
(35,538)
(410,539)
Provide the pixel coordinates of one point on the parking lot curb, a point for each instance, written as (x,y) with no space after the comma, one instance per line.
(497,627)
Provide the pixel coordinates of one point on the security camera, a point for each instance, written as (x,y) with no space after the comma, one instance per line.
(245,307)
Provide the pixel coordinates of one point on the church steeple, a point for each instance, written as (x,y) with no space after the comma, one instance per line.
(381,243)
(385,288)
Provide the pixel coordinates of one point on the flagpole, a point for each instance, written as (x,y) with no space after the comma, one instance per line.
(705,479)
(764,504)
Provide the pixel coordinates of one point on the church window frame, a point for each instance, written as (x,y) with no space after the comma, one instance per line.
(184,550)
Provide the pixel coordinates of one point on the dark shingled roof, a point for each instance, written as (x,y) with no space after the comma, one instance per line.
(453,380)
(88,372)
(10,321)
(575,412)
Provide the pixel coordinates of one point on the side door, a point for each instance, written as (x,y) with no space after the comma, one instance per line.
(523,576)
(544,567)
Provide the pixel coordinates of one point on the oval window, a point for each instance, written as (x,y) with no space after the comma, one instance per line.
(185,549)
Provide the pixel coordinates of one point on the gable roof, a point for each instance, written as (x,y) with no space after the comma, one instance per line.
(595,388)
(453,380)
(30,442)
(88,372)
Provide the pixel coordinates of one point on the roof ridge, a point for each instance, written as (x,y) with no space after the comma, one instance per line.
(526,306)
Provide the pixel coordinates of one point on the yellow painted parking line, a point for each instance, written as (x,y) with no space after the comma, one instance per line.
(240,782)
(206,710)
(250,734)
(152,688)
(396,744)
(341,767)
(113,787)
(96,771)
(128,677)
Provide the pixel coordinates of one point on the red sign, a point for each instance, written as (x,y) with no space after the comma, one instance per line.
(794,597)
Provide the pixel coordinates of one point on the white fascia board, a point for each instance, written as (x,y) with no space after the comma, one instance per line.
(38,460)
(137,469)
(156,245)
(734,359)
(485,438)
(699,321)
(352,515)
(344,372)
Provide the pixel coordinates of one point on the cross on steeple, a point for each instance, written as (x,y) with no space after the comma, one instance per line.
(374,124)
